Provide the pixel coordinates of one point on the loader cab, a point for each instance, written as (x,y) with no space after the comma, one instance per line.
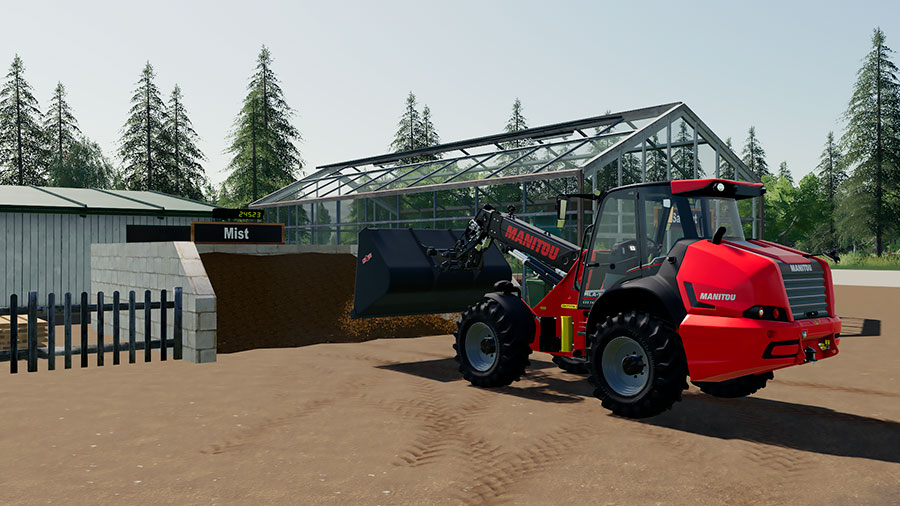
(638,225)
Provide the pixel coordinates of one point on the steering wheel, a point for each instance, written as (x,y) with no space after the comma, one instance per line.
(654,247)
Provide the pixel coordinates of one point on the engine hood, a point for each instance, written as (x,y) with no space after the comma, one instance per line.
(780,253)
(727,279)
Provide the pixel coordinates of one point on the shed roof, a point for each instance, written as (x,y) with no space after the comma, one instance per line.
(45,199)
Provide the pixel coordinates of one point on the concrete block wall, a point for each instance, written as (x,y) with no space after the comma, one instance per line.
(157,266)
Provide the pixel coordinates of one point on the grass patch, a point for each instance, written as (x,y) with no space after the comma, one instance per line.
(867,262)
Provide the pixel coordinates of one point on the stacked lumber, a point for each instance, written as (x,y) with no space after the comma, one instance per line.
(22,324)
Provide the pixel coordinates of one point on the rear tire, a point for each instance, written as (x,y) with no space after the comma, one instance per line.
(491,348)
(571,365)
(737,387)
(637,365)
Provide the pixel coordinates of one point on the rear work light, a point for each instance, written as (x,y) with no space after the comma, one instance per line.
(766,313)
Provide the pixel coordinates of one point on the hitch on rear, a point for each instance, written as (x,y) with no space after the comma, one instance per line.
(810,353)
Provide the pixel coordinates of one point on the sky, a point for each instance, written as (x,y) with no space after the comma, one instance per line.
(785,67)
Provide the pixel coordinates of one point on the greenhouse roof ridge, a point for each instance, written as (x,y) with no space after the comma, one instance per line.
(545,152)
(553,130)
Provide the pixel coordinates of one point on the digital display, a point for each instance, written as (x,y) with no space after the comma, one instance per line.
(223,213)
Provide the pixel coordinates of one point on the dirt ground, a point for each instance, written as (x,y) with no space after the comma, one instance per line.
(390,422)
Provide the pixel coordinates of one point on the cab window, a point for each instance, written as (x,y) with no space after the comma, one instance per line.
(614,254)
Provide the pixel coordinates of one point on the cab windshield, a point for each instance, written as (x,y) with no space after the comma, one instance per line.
(670,218)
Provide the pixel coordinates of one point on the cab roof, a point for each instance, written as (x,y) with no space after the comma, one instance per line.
(713,187)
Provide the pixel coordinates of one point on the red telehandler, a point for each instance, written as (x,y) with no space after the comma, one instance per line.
(665,286)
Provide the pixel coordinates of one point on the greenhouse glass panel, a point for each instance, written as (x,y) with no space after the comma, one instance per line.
(501,195)
(706,158)
(326,212)
(444,185)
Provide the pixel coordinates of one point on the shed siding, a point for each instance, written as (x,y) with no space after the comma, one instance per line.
(52,252)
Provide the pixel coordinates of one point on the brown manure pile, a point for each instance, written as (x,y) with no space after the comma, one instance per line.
(296,300)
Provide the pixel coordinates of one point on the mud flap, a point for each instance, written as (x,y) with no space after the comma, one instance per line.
(395,276)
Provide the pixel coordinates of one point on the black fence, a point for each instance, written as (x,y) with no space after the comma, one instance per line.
(53,313)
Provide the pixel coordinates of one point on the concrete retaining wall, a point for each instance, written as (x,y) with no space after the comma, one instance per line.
(157,266)
(859,277)
(164,265)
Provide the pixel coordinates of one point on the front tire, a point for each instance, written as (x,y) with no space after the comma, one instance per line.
(491,346)
(736,387)
(637,365)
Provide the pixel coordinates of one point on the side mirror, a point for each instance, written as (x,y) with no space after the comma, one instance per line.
(834,256)
(561,205)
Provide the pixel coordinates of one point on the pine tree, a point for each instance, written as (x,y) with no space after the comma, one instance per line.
(184,173)
(23,156)
(785,172)
(60,127)
(210,193)
(430,136)
(656,160)
(143,147)
(684,156)
(516,123)
(726,171)
(83,166)
(754,156)
(872,139)
(263,140)
(831,175)
(409,130)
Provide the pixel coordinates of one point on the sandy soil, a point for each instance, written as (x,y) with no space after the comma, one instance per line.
(390,422)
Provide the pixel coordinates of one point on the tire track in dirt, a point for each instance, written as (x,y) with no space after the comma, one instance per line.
(365,358)
(682,446)
(494,474)
(255,431)
(781,464)
(783,470)
(250,434)
(785,463)
(444,429)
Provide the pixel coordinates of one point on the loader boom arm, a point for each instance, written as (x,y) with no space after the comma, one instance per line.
(509,233)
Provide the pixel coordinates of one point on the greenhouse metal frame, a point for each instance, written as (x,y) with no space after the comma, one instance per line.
(443,186)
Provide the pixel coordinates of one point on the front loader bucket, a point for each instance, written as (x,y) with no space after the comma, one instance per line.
(395,276)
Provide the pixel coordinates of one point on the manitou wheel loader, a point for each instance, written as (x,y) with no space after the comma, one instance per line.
(664,286)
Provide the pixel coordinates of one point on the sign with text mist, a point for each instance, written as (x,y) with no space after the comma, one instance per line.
(222,232)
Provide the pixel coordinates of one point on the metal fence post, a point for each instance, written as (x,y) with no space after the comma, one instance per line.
(131,327)
(13,334)
(163,344)
(51,332)
(116,327)
(147,327)
(67,330)
(176,352)
(99,328)
(82,323)
(32,331)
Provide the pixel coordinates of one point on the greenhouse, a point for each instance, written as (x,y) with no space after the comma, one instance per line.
(443,186)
